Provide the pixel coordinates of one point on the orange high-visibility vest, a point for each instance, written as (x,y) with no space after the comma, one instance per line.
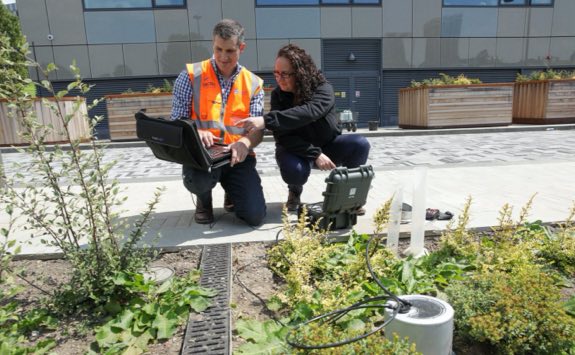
(207,107)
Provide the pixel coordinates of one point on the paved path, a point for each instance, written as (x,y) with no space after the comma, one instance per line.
(493,168)
(390,152)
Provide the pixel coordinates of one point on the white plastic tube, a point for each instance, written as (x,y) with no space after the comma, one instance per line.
(394,221)
(416,245)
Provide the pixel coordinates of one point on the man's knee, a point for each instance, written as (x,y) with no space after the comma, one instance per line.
(197,182)
(253,215)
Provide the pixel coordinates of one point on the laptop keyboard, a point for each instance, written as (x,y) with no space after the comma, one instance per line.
(217,151)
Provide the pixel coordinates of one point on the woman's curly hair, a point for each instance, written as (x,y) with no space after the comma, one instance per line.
(307,75)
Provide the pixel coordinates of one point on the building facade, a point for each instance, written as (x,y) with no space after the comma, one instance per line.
(368,49)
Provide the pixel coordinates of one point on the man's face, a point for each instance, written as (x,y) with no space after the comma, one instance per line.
(227,53)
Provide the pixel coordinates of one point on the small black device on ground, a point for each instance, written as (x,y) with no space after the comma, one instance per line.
(178,141)
(345,193)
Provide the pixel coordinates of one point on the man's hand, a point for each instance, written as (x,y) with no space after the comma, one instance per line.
(207,137)
(252,123)
(323,162)
(239,152)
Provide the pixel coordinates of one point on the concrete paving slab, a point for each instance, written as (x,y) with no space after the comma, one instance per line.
(490,186)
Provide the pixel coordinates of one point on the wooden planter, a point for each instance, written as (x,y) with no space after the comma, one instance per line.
(121,110)
(79,128)
(544,102)
(451,106)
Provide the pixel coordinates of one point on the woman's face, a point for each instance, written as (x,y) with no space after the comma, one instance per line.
(284,74)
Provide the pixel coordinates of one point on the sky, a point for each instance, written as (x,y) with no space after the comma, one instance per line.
(8,1)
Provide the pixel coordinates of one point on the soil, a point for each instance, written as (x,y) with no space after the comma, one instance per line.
(72,336)
(248,267)
(252,282)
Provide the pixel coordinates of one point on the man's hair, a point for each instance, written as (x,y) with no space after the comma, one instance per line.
(307,76)
(227,29)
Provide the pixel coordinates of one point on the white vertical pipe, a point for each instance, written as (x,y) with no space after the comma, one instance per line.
(394,221)
(416,246)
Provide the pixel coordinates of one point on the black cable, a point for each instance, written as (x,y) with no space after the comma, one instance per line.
(262,301)
(340,313)
(404,305)
(400,306)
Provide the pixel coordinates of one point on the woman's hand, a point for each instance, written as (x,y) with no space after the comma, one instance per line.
(239,152)
(323,162)
(252,123)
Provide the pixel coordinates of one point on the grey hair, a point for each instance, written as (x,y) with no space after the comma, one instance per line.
(227,29)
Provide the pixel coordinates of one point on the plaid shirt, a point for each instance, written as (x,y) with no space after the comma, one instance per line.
(183,92)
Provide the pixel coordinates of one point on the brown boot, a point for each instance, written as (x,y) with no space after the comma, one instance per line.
(204,213)
(293,201)
(228,203)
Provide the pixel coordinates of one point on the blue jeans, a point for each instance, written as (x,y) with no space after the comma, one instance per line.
(349,150)
(241,182)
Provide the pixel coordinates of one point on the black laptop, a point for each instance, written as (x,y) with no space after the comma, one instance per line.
(178,141)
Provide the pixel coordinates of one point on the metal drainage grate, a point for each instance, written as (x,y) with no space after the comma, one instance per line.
(209,332)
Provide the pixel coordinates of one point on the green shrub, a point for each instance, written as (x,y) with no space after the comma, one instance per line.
(269,337)
(445,79)
(167,87)
(516,311)
(501,283)
(512,301)
(67,201)
(549,74)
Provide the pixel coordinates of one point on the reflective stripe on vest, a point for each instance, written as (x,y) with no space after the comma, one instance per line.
(207,107)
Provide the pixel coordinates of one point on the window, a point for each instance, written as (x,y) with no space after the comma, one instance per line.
(350,2)
(287,2)
(483,3)
(131,4)
(513,2)
(469,2)
(315,2)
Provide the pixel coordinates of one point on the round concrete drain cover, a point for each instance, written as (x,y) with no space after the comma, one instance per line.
(158,274)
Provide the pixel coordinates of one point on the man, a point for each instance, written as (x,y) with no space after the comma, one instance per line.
(216,93)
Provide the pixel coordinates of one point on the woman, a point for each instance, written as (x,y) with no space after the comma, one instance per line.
(304,123)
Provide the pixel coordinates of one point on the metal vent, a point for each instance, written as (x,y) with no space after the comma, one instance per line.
(209,332)
(351,55)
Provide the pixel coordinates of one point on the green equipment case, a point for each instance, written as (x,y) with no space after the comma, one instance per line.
(345,193)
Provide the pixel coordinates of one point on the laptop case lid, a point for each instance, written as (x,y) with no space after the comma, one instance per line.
(176,141)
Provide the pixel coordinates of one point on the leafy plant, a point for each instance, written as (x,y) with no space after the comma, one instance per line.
(548,74)
(167,87)
(321,277)
(516,311)
(12,37)
(15,327)
(511,299)
(445,79)
(268,337)
(153,313)
(505,285)
(67,200)
(557,246)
